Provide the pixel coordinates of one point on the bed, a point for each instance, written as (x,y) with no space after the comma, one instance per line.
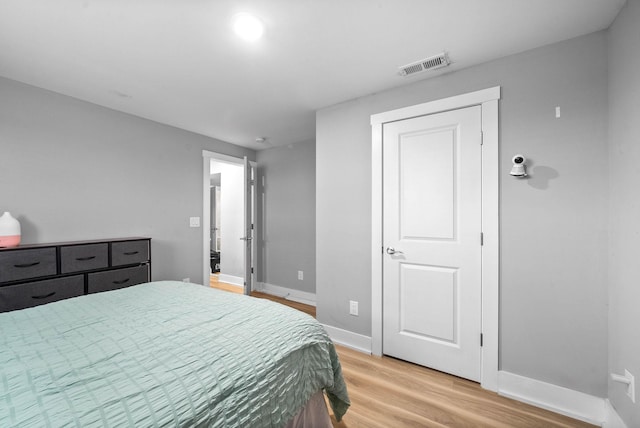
(165,354)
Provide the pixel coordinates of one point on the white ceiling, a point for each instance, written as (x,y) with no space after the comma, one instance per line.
(178,62)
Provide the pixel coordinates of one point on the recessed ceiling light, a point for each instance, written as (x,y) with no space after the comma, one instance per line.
(248,27)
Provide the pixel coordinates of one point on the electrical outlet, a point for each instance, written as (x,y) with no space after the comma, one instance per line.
(353,307)
(300,275)
(631,389)
(186,279)
(629,380)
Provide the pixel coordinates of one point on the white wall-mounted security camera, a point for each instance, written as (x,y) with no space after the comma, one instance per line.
(518,169)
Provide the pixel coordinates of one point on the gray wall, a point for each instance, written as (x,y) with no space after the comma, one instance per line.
(289,218)
(624,213)
(71,170)
(553,291)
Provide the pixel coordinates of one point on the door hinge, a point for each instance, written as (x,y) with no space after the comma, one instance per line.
(481,340)
(481,238)
(251,270)
(481,138)
(251,226)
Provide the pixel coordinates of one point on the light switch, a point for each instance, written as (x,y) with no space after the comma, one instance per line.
(353,307)
(194,221)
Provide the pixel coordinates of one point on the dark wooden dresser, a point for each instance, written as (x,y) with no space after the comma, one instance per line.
(32,275)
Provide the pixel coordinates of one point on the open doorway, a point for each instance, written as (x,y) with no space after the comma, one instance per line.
(215,243)
(226,246)
(228,219)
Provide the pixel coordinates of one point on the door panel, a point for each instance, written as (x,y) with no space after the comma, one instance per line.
(426,170)
(432,225)
(428,305)
(248,228)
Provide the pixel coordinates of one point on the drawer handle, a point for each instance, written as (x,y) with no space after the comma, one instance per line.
(45,296)
(84,259)
(121,281)
(26,265)
(131,253)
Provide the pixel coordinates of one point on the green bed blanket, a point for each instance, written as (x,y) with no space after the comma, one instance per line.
(163,354)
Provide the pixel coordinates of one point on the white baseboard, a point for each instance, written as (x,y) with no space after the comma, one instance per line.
(230,279)
(611,418)
(287,293)
(568,402)
(349,339)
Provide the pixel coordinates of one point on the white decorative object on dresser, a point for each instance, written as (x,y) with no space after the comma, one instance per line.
(9,230)
(32,275)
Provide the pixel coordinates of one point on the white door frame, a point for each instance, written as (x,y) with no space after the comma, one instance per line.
(206,211)
(488,100)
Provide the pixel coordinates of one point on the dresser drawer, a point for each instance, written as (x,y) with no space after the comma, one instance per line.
(77,258)
(25,264)
(119,278)
(21,296)
(129,252)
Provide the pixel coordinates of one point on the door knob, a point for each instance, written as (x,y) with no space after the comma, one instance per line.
(391,251)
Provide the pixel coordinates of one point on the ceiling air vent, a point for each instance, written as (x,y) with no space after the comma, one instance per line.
(431,63)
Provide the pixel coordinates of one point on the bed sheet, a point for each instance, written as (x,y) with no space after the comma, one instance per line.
(163,354)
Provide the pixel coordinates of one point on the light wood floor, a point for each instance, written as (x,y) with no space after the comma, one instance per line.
(214,283)
(390,393)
